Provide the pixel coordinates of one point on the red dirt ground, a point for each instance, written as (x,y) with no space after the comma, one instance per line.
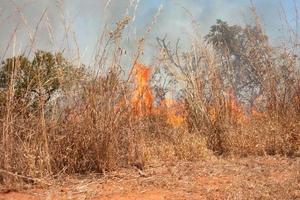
(247,178)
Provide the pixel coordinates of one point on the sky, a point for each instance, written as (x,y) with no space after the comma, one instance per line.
(86,20)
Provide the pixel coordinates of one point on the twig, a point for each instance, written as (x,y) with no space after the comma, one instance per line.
(24,177)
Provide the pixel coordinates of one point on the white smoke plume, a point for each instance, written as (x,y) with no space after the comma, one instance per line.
(85,20)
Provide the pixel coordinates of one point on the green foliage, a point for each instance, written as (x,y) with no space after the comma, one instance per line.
(245,57)
(34,80)
(234,40)
(226,37)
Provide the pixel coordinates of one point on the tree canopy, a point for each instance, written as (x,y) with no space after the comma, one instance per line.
(41,77)
(245,55)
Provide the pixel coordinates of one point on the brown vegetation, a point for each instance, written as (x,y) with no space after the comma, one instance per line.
(239,96)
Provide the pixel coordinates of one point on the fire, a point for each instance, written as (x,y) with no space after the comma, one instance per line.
(175,112)
(236,110)
(238,113)
(142,99)
(142,102)
(256,113)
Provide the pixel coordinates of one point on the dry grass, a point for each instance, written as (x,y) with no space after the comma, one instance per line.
(89,125)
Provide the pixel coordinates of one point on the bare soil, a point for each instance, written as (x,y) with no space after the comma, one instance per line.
(246,178)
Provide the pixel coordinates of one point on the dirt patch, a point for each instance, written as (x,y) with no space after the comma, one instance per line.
(249,178)
(16,196)
(149,194)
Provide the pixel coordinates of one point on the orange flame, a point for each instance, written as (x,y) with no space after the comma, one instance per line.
(234,110)
(237,113)
(175,112)
(142,100)
(256,113)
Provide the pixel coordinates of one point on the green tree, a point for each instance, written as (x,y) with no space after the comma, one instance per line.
(245,57)
(42,77)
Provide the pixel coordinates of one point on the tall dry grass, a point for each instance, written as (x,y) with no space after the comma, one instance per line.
(88,125)
(262,123)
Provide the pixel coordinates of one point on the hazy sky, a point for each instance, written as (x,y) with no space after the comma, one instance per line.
(88,17)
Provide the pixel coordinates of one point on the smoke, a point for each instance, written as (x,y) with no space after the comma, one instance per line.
(85,21)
